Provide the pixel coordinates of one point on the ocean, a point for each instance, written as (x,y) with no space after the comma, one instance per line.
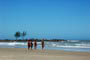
(69,45)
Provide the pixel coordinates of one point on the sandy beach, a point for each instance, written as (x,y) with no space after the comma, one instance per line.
(24,54)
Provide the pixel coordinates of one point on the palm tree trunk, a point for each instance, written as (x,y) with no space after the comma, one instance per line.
(23,37)
(16,38)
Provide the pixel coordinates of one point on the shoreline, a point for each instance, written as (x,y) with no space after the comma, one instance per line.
(53,46)
(25,54)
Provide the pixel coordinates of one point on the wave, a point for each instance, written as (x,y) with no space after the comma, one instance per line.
(73,40)
(82,45)
(16,43)
(72,46)
(12,43)
(51,44)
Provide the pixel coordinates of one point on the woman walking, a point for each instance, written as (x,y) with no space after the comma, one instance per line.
(42,43)
(29,44)
(35,44)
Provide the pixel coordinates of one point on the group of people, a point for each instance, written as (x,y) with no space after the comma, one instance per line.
(34,43)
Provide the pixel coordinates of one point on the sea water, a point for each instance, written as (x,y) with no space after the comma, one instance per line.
(69,45)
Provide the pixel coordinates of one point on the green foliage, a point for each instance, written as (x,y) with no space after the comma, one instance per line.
(17,35)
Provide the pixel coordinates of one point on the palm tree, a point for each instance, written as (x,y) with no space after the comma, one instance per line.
(17,35)
(23,35)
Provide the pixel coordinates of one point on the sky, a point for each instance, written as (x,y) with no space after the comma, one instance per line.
(50,19)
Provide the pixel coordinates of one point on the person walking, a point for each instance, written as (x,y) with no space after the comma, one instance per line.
(35,44)
(29,44)
(42,43)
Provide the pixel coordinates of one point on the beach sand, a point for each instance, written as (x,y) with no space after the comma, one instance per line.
(24,54)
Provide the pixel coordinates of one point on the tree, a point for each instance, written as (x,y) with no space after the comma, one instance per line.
(17,35)
(23,35)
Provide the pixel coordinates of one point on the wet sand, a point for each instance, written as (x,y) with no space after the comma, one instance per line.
(24,54)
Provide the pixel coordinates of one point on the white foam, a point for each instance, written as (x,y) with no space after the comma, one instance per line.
(65,45)
(12,43)
(16,43)
(3,43)
(54,45)
(73,40)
